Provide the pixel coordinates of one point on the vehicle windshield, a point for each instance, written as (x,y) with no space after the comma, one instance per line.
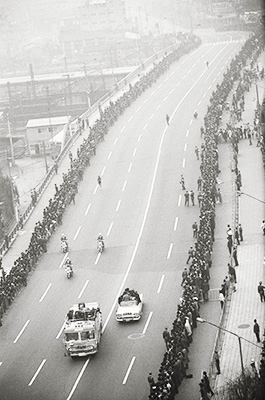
(128,303)
(87,335)
(71,336)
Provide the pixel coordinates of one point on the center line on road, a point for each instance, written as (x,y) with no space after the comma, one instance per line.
(183,163)
(153,93)
(109,155)
(115,141)
(145,126)
(124,186)
(118,205)
(60,331)
(172,90)
(122,129)
(128,371)
(160,284)
(134,152)
(77,232)
(185,147)
(159,105)
(191,121)
(151,116)
(187,133)
(129,120)
(164,99)
(169,251)
(22,330)
(130,167)
(44,294)
(37,372)
(147,322)
(83,289)
(179,200)
(63,260)
(145,101)
(102,172)
(98,257)
(109,230)
(88,208)
(138,109)
(139,138)
(176,223)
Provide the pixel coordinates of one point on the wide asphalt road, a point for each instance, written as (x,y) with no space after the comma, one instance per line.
(140,212)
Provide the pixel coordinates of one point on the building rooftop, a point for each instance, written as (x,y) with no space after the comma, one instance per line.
(53,121)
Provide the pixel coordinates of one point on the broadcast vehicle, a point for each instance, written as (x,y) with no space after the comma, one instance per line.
(130,306)
(82,329)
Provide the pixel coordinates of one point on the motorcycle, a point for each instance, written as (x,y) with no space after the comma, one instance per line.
(64,246)
(195,115)
(100,246)
(69,271)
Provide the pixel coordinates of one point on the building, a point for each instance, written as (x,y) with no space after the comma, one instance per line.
(43,131)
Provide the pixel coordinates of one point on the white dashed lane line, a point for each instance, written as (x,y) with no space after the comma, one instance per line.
(22,330)
(83,289)
(115,141)
(172,73)
(183,163)
(214,80)
(179,200)
(37,372)
(151,116)
(44,294)
(129,120)
(128,371)
(103,170)
(139,138)
(144,128)
(60,331)
(177,84)
(164,99)
(118,205)
(159,105)
(110,228)
(153,93)
(63,260)
(166,79)
(134,152)
(191,121)
(138,109)
(204,95)
(160,86)
(145,101)
(122,129)
(160,284)
(199,102)
(88,208)
(147,322)
(176,223)
(184,76)
(172,90)
(130,167)
(209,87)
(169,251)
(77,232)
(187,133)
(98,257)
(109,155)
(124,186)
(185,147)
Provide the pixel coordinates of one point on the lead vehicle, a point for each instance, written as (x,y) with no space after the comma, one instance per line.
(130,306)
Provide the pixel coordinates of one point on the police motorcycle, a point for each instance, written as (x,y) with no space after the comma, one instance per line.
(64,243)
(68,266)
(100,243)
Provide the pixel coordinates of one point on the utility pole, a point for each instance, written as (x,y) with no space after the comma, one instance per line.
(10,140)
(45,157)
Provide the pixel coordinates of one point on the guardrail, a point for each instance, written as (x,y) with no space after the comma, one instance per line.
(11,236)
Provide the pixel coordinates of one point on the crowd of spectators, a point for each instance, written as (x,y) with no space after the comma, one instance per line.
(11,283)
(175,362)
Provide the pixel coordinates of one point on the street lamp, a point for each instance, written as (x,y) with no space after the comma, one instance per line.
(201,320)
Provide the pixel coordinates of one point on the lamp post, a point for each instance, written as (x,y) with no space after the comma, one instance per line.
(201,320)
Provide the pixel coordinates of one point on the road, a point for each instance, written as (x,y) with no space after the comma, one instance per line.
(140,212)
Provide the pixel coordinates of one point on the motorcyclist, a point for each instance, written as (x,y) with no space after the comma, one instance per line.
(63,238)
(68,266)
(195,114)
(100,239)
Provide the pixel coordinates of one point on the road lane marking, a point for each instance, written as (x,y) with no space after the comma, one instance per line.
(199,102)
(184,76)
(176,223)
(122,129)
(63,260)
(129,120)
(134,152)
(164,99)
(77,232)
(145,101)
(139,138)
(83,289)
(115,141)
(145,126)
(22,330)
(37,372)
(130,167)
(109,230)
(128,371)
(159,105)
(118,205)
(78,378)
(169,251)
(185,147)
(160,86)
(138,109)
(191,121)
(179,200)
(210,87)
(44,294)
(1,363)
(60,331)
(187,133)
(151,116)
(172,90)
(171,73)
(204,94)
(109,155)
(98,257)
(88,208)
(153,93)
(96,188)
(177,84)
(166,79)
(214,80)
(183,163)
(160,284)
(147,322)
(124,186)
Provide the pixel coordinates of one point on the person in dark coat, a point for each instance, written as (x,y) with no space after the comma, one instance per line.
(256,330)
(207,383)
(261,291)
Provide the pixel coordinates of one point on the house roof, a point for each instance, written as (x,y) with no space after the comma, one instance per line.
(53,121)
